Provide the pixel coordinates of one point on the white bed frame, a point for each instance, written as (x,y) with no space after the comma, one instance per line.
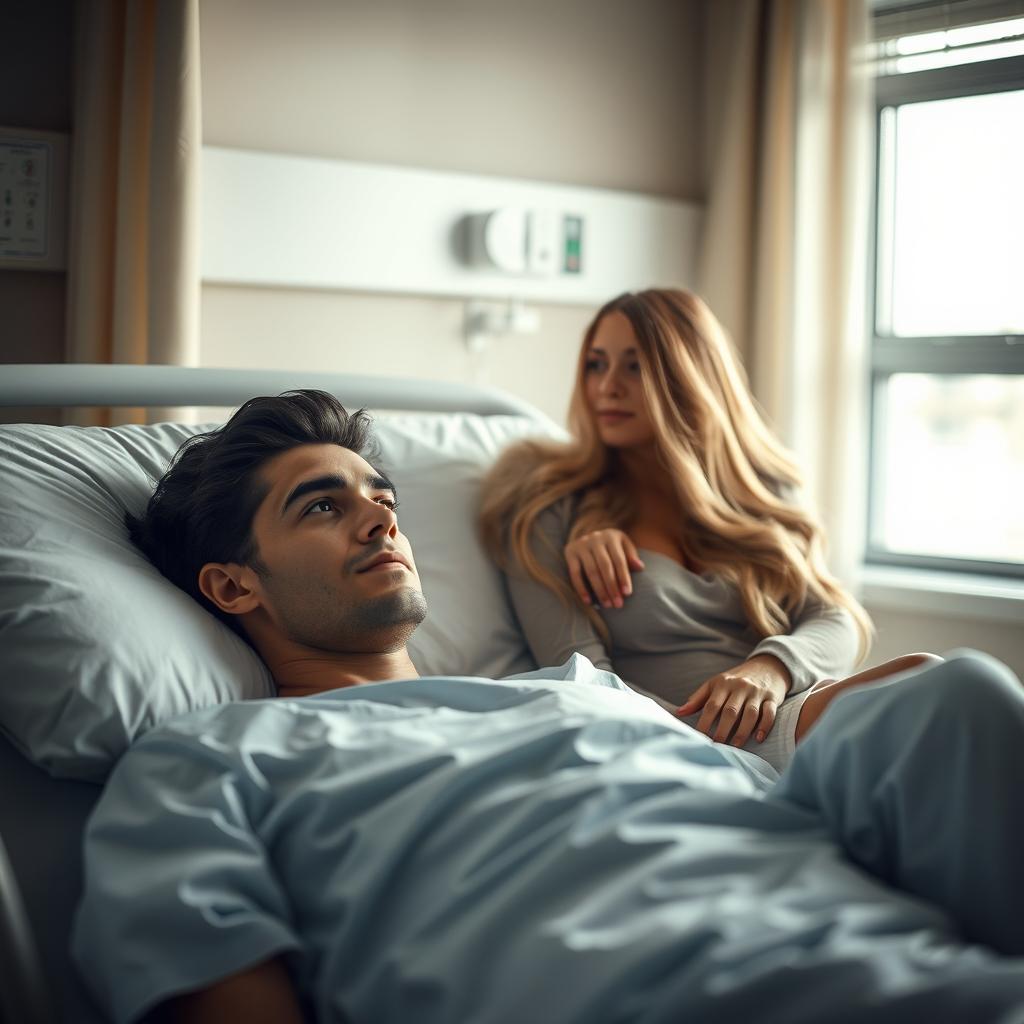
(28,993)
(91,384)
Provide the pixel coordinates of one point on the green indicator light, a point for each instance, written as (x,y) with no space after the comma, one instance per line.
(573,244)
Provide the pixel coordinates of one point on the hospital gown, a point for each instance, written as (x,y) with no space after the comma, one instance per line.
(550,848)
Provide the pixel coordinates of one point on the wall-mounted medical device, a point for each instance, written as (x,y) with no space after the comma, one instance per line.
(516,240)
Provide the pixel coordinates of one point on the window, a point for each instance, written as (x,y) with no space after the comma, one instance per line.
(947,354)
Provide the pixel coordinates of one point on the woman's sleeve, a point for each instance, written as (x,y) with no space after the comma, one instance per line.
(823,644)
(553,629)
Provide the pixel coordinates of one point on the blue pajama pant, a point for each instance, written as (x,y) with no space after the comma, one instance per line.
(920,778)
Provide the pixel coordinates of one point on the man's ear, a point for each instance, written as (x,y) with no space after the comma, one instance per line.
(229,586)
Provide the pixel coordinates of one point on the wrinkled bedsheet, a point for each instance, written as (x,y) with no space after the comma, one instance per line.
(553,849)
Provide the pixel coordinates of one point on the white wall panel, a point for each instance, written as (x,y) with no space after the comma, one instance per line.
(280,220)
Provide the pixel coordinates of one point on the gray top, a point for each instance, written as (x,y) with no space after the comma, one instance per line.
(677,628)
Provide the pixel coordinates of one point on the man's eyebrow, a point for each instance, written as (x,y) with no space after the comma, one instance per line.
(377,481)
(333,482)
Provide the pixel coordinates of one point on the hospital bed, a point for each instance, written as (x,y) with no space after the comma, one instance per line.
(96,648)
(90,652)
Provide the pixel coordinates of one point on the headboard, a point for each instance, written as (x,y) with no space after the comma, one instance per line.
(90,384)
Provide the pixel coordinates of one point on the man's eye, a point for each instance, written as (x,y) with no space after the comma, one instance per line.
(391,503)
(322,505)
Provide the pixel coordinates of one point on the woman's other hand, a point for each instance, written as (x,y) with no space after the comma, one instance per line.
(736,702)
(601,561)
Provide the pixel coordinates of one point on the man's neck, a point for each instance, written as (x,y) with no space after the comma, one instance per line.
(302,674)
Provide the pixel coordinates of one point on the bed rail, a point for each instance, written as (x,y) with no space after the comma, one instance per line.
(23,995)
(82,384)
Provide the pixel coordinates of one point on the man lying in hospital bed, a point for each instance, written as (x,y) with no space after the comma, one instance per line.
(550,846)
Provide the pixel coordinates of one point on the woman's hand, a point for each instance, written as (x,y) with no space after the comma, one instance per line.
(603,559)
(741,700)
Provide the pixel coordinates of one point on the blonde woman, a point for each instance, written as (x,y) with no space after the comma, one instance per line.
(666,541)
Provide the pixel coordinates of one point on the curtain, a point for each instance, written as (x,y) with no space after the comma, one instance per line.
(784,253)
(133,266)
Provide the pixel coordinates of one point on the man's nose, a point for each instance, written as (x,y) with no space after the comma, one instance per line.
(378,521)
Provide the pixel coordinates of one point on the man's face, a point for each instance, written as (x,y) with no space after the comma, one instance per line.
(336,572)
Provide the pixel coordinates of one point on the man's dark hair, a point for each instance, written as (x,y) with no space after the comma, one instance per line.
(203,507)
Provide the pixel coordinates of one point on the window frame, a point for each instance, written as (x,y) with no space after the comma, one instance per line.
(937,355)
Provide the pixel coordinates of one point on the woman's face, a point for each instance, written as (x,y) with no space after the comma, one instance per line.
(612,386)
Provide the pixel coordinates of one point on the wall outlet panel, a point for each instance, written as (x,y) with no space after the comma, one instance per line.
(33,199)
(290,221)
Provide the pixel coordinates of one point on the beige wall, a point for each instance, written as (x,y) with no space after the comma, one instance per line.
(530,89)
(589,92)
(397,336)
(903,631)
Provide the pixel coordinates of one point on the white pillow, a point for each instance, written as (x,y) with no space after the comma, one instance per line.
(96,646)
(436,463)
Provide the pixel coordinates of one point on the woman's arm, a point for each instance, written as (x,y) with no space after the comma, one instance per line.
(822,644)
(744,700)
(553,629)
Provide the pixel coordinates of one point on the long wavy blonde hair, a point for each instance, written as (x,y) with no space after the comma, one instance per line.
(734,481)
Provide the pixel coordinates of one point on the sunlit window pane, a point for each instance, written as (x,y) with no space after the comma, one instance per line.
(950,58)
(926,42)
(952,466)
(958,216)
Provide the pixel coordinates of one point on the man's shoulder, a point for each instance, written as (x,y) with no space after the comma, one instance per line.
(223,730)
(194,726)
(578,669)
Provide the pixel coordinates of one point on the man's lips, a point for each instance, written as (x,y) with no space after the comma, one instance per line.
(385,560)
